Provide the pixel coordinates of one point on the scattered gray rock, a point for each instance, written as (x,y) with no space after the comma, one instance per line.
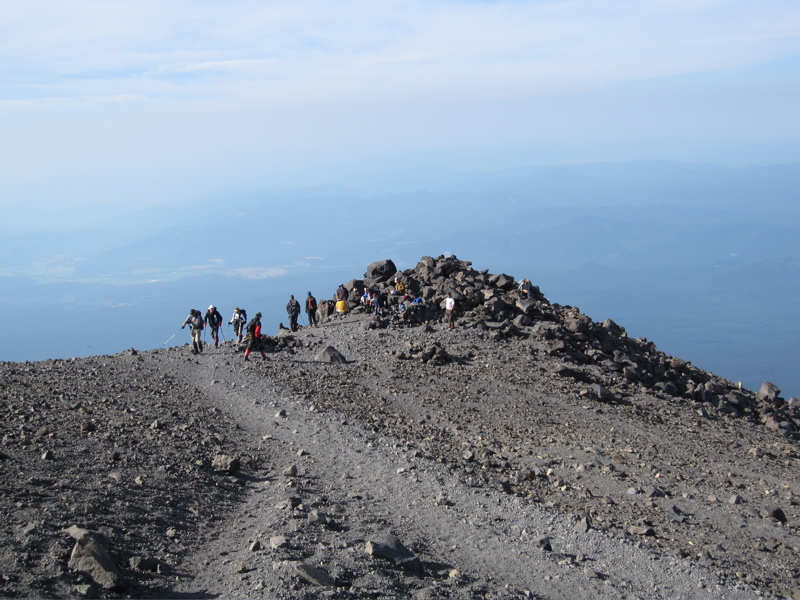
(777,514)
(228,464)
(641,530)
(277,541)
(379,272)
(544,543)
(141,563)
(583,525)
(314,575)
(389,547)
(329,354)
(653,492)
(768,392)
(90,555)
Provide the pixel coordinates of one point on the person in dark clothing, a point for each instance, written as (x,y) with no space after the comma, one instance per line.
(377,302)
(213,320)
(311,309)
(254,331)
(341,293)
(293,310)
(196,324)
(239,321)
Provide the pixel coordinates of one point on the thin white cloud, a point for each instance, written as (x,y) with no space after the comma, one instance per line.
(239,66)
(397,47)
(260,272)
(205,94)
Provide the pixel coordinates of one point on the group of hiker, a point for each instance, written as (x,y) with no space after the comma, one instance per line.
(197,322)
(372,300)
(242,328)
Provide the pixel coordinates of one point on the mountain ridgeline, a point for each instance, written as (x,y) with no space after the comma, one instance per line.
(600,355)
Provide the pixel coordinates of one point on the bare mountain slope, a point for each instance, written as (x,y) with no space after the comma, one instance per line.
(544,456)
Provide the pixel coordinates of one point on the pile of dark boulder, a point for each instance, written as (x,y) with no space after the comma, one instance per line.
(597,353)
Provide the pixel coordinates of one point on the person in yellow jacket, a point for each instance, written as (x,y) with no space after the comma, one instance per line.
(399,287)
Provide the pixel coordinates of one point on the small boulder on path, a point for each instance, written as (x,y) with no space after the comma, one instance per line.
(314,575)
(329,354)
(390,548)
(90,555)
(223,462)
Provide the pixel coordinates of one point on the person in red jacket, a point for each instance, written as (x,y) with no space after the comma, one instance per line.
(254,330)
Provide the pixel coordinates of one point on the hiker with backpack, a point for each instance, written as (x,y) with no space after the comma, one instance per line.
(196,324)
(293,310)
(213,319)
(254,333)
(311,310)
(239,321)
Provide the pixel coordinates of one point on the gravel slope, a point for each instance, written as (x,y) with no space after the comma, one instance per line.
(498,473)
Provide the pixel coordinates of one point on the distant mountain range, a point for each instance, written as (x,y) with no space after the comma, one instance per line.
(699,258)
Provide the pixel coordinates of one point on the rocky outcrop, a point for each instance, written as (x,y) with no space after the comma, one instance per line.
(604,356)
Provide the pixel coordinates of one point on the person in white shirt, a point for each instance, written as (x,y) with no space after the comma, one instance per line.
(449,309)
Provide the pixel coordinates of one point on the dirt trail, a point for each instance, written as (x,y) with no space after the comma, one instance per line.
(483,456)
(367,484)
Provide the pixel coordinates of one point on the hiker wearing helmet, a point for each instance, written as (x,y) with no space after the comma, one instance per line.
(213,319)
(254,333)
(293,310)
(195,323)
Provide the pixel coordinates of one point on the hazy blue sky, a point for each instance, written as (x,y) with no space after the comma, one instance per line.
(103,100)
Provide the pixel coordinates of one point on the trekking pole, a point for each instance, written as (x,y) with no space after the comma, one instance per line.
(222,332)
(172,336)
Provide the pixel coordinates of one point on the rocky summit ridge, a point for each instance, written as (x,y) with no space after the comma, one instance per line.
(529,452)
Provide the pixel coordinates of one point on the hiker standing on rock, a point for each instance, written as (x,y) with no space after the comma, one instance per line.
(293,310)
(449,310)
(311,309)
(254,332)
(196,324)
(239,321)
(213,319)
(525,288)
